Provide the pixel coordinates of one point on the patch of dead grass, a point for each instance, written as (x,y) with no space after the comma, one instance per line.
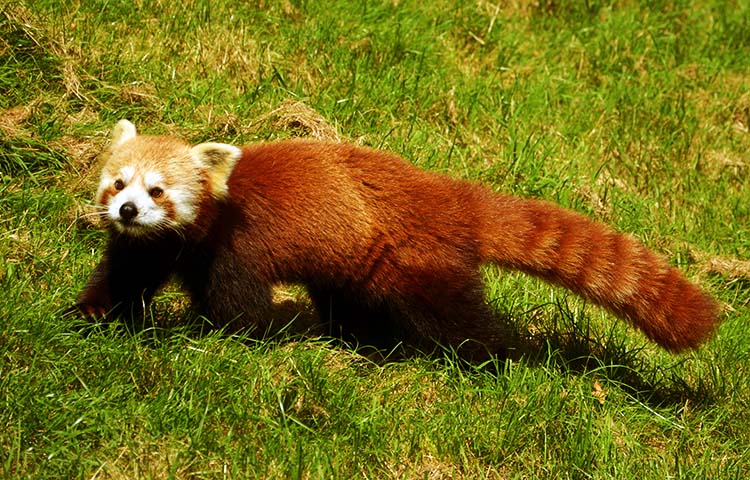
(722,161)
(12,120)
(155,460)
(139,93)
(428,466)
(298,118)
(295,118)
(597,202)
(226,48)
(729,267)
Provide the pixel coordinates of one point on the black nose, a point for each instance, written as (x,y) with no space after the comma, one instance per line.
(128,211)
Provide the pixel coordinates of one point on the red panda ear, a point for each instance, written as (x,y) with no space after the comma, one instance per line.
(219,160)
(121,133)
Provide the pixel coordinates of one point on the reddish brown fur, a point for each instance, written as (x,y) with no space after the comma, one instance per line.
(383,246)
(610,269)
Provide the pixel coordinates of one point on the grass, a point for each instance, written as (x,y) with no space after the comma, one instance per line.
(636,113)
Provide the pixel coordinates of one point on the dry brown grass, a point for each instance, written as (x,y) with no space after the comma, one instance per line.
(13,120)
(729,267)
(299,119)
(290,118)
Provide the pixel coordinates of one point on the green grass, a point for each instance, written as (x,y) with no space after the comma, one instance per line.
(636,113)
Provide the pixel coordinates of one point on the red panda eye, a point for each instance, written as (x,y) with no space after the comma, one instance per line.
(156,192)
(119,185)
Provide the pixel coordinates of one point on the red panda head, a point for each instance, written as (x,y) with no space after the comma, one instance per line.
(153,184)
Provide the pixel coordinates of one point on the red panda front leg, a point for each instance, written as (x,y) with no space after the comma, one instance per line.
(123,283)
(95,301)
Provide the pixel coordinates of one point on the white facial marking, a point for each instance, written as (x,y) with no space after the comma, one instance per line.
(184,203)
(126,174)
(105,182)
(153,179)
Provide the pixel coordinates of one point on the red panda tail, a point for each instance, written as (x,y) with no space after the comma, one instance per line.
(605,267)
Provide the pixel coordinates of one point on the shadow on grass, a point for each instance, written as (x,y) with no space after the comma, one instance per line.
(569,343)
(566,344)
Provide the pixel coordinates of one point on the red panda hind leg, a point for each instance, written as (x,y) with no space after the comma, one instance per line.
(349,317)
(452,318)
(422,300)
(450,310)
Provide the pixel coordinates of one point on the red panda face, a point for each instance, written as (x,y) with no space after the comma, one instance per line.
(142,201)
(151,184)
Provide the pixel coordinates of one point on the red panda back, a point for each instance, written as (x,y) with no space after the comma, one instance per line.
(350,214)
(330,206)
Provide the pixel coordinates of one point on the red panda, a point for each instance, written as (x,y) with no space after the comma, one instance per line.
(380,245)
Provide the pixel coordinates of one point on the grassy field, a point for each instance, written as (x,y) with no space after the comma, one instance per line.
(636,113)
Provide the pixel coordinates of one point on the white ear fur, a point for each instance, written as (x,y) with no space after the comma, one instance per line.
(219,159)
(122,132)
